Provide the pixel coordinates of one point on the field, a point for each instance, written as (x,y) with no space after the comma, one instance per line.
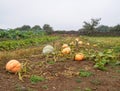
(98,71)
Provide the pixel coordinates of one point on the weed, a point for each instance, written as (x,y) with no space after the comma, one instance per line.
(78,80)
(51,62)
(118,71)
(87,89)
(95,82)
(35,79)
(45,86)
(84,73)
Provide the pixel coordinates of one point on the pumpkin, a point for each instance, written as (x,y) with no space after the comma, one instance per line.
(79,57)
(13,66)
(72,43)
(77,39)
(66,50)
(48,49)
(94,45)
(64,45)
(88,44)
(80,42)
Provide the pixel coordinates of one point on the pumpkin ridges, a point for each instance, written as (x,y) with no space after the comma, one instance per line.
(10,66)
(13,66)
(16,68)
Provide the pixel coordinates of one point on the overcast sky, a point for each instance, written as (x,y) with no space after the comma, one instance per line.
(60,14)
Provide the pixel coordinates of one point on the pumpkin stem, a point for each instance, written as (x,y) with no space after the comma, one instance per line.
(20,76)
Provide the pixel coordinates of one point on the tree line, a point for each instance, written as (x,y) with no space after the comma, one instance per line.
(25,31)
(92,27)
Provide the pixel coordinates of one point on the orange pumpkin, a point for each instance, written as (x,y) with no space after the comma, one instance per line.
(64,45)
(66,50)
(79,57)
(13,66)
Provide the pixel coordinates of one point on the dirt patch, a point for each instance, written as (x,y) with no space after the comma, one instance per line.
(64,76)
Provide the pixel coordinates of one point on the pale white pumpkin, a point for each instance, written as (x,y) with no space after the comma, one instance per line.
(48,49)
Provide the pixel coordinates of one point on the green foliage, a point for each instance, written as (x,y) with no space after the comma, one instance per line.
(103,58)
(51,62)
(36,27)
(17,34)
(115,28)
(84,73)
(103,28)
(24,28)
(35,79)
(48,29)
(15,44)
(92,25)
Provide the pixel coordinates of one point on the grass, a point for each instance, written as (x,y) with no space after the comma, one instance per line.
(84,73)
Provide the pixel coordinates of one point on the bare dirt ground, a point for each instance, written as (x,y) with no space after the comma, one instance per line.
(63,76)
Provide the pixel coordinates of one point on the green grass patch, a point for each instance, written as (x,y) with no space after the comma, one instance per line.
(35,79)
(84,73)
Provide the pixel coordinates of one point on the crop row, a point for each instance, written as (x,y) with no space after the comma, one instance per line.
(23,43)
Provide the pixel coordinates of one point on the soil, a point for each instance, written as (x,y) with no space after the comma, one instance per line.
(63,76)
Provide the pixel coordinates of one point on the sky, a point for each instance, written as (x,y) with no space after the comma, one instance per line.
(60,14)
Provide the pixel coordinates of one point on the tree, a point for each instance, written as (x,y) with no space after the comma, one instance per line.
(91,26)
(48,29)
(116,28)
(24,28)
(103,28)
(36,27)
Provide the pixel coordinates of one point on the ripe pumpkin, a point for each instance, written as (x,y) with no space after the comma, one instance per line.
(13,66)
(79,57)
(80,42)
(66,50)
(64,45)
